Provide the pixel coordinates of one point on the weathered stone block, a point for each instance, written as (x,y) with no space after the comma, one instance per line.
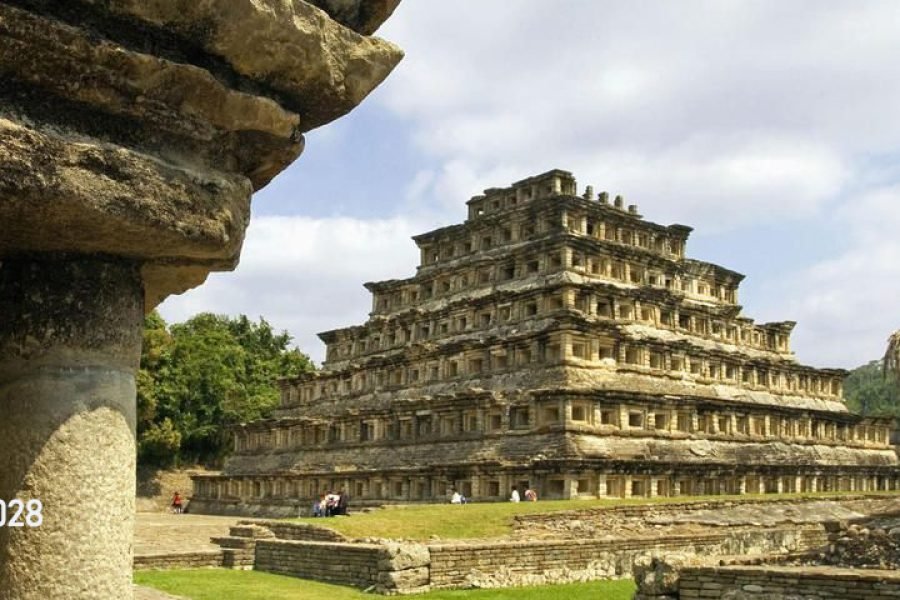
(310,63)
(132,134)
(405,556)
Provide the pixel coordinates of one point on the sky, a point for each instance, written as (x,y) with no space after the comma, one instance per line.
(772,128)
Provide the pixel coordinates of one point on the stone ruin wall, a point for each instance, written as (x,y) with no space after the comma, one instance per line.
(408,567)
(595,543)
(179,560)
(858,562)
(559,342)
(683,577)
(774,583)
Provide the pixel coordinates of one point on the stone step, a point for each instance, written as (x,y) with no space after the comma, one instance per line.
(251,531)
(241,543)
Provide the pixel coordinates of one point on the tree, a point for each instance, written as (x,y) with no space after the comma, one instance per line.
(156,343)
(871,390)
(160,443)
(891,360)
(200,377)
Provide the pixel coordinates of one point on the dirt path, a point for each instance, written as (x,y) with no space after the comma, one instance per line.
(145,593)
(156,533)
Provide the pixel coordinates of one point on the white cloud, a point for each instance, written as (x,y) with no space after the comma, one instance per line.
(711,183)
(848,304)
(759,107)
(305,275)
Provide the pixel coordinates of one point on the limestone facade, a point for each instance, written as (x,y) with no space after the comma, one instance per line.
(561,342)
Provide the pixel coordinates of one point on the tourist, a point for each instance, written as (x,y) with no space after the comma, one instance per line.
(318,507)
(177,503)
(530,495)
(456,497)
(343,502)
(514,496)
(331,501)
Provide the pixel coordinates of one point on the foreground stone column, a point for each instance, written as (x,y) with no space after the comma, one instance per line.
(70,342)
(132,135)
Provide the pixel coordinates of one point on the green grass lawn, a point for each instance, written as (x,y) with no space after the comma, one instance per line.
(223,584)
(487,519)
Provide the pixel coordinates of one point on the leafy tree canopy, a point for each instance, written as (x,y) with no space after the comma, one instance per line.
(872,392)
(198,378)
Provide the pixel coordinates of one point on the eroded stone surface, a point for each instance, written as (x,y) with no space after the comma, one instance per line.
(140,129)
(62,194)
(68,311)
(69,342)
(318,68)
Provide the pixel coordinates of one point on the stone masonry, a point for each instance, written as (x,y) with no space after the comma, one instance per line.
(560,342)
(653,543)
(858,562)
(390,566)
(132,135)
(775,583)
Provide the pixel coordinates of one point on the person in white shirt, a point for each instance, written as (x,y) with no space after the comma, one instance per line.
(456,498)
(514,497)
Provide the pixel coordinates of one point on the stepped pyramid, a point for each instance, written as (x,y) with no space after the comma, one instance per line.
(560,342)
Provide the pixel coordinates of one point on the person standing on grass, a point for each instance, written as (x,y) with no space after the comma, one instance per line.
(514,496)
(343,502)
(330,504)
(318,507)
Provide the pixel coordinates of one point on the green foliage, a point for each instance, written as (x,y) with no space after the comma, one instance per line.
(156,342)
(221,584)
(200,377)
(160,443)
(872,392)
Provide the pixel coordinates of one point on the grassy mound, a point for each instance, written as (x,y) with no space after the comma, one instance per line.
(493,519)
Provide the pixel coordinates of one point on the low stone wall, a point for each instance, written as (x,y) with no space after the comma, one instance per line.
(786,583)
(640,510)
(556,561)
(385,568)
(179,560)
(282,508)
(285,530)
(239,547)
(395,567)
